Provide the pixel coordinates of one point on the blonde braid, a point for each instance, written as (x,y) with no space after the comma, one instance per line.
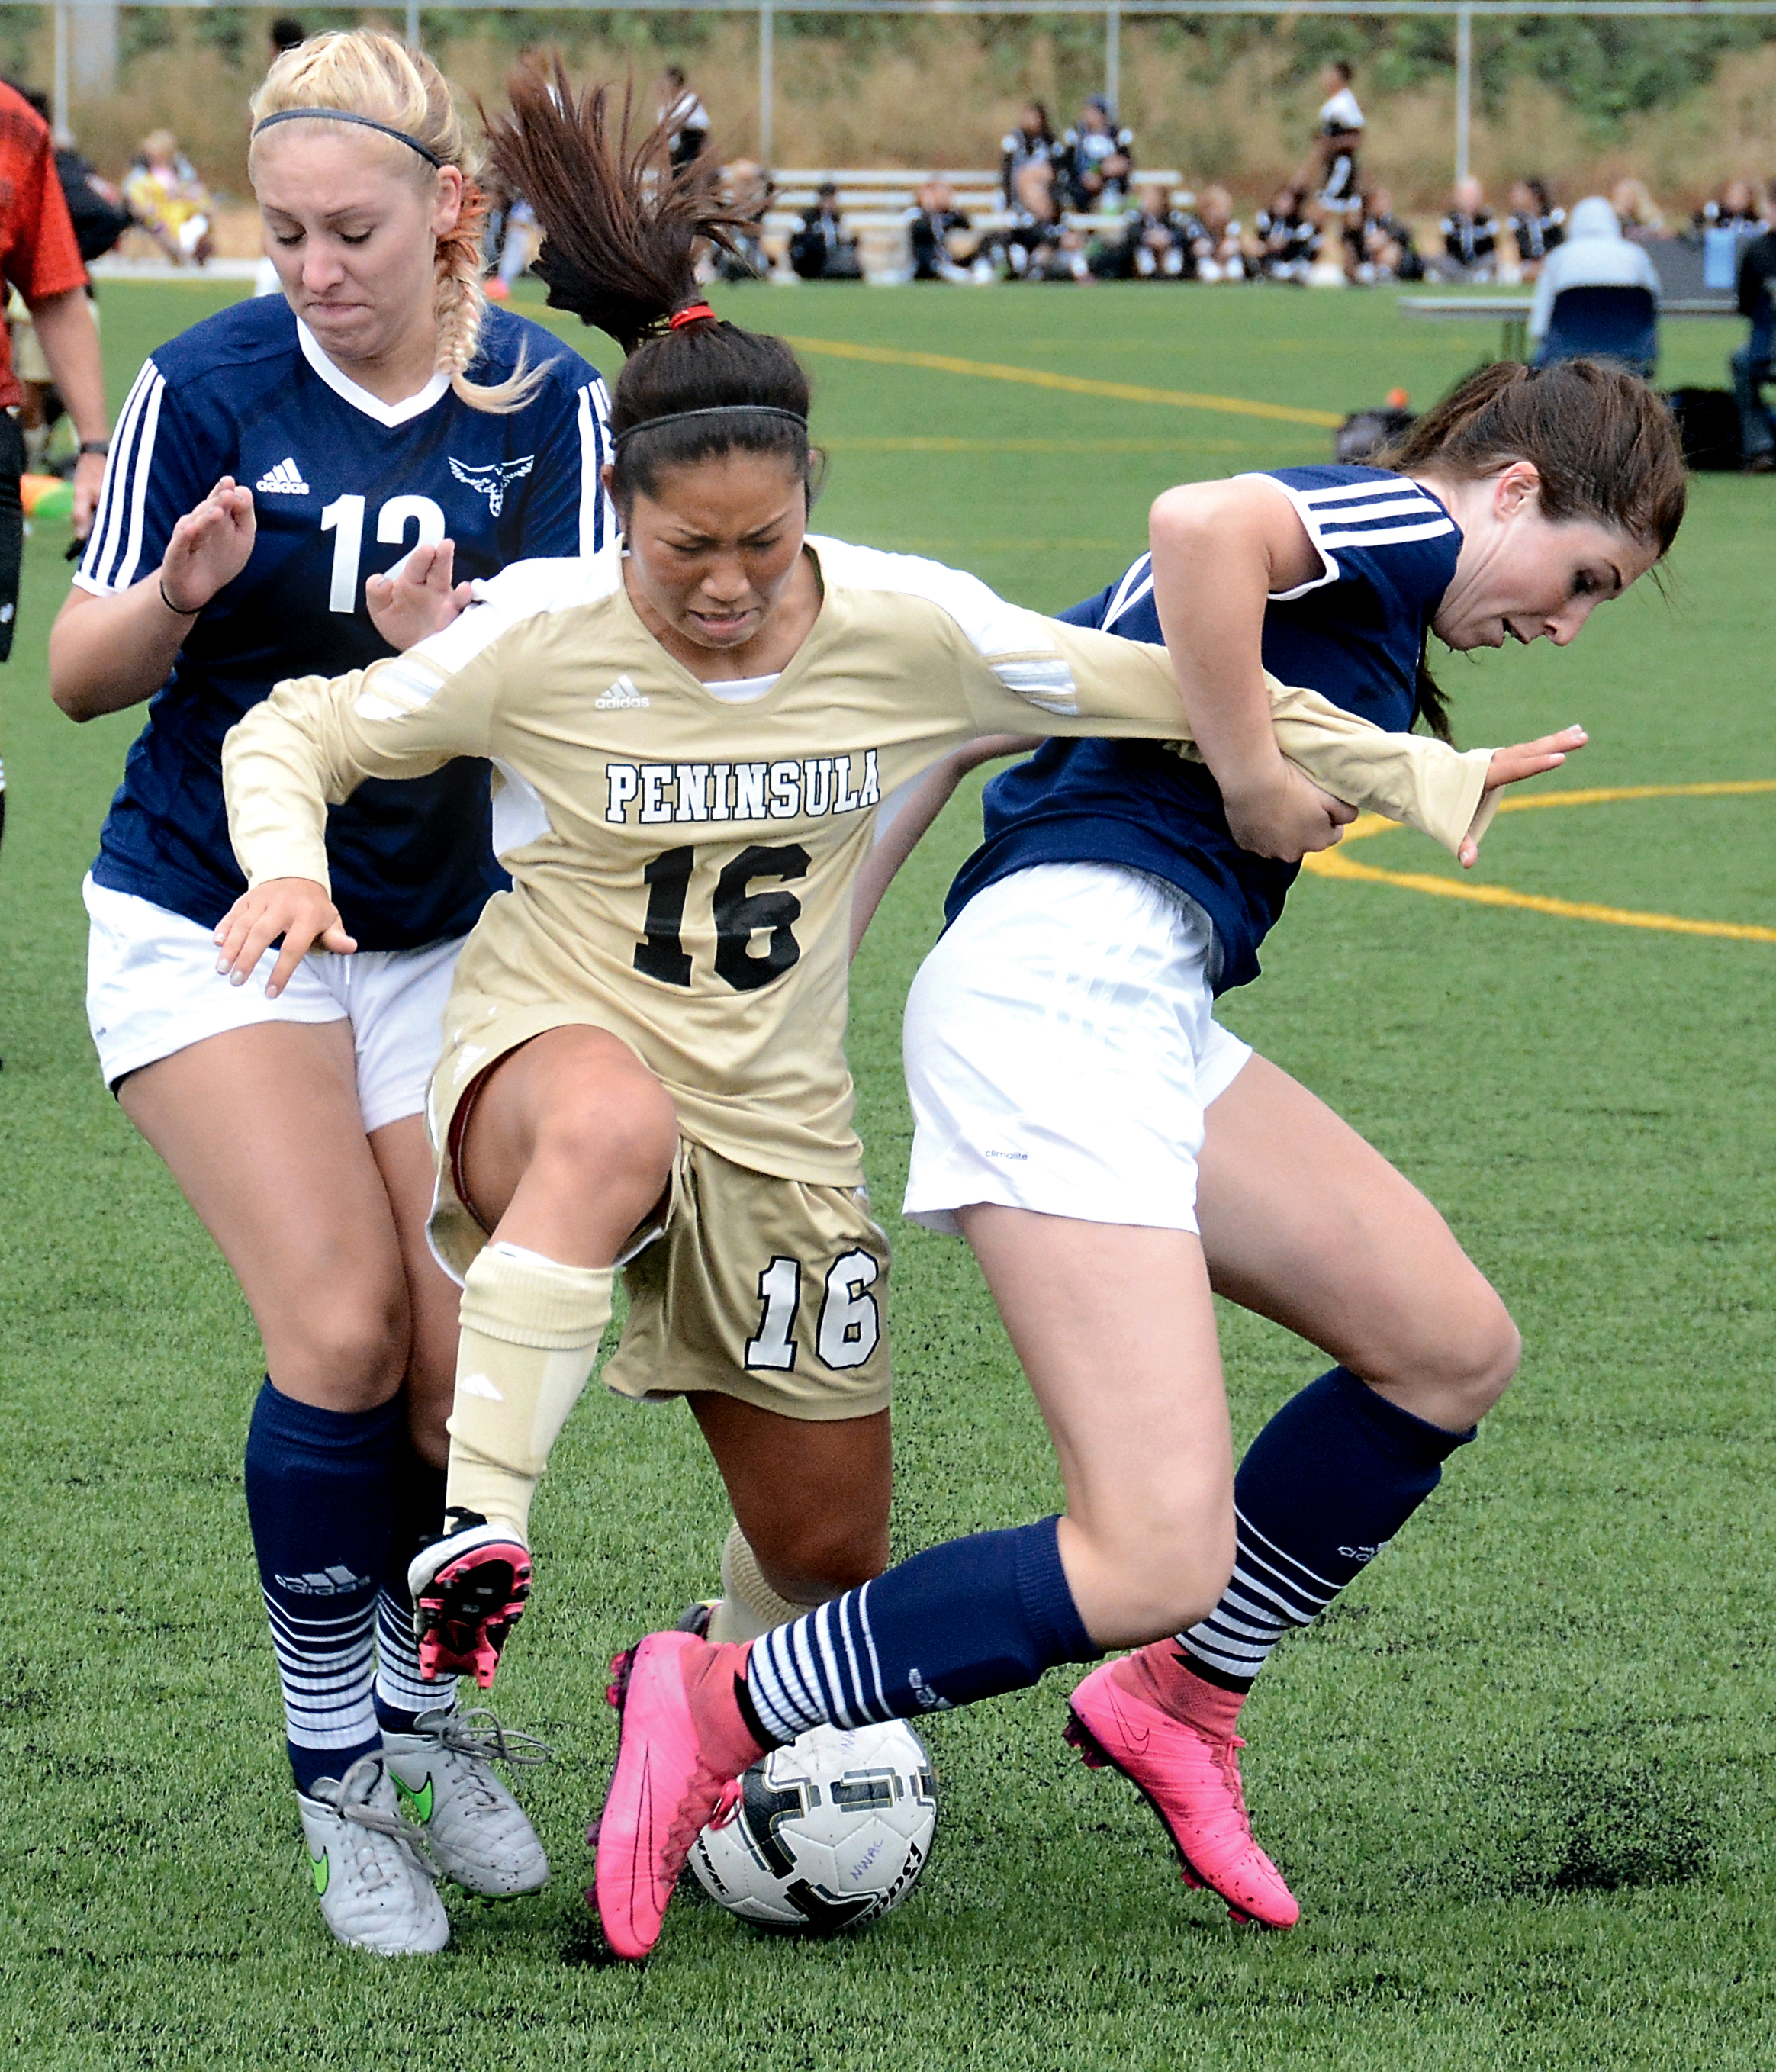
(367,72)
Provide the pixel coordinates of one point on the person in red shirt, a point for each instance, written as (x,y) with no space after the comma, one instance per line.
(39,257)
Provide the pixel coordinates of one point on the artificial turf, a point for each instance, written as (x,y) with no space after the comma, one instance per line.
(1520,1777)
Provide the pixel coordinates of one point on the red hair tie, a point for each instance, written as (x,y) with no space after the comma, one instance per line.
(695,313)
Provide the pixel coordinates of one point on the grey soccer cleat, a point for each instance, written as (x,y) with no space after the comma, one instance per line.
(475,1830)
(378,1891)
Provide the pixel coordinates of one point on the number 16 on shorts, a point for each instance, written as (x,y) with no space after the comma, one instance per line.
(770,1289)
(847,1326)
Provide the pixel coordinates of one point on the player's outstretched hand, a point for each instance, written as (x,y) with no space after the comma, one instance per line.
(296,908)
(1526,758)
(210,546)
(1285,815)
(420,599)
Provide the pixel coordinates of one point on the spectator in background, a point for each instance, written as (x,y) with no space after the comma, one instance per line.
(1470,235)
(1636,211)
(690,119)
(820,250)
(1215,248)
(1752,367)
(1032,142)
(1386,247)
(1593,254)
(938,235)
(747,188)
(1100,159)
(169,200)
(1155,240)
(1291,240)
(1536,225)
(1038,246)
(39,257)
(1735,207)
(1336,145)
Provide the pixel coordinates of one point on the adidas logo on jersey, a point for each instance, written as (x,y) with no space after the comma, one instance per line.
(622,696)
(285,479)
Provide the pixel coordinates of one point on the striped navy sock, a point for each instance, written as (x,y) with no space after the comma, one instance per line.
(320,1500)
(967,1620)
(1322,1489)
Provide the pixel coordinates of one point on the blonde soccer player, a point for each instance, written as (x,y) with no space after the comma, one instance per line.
(273,470)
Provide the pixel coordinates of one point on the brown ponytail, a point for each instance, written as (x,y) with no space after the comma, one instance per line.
(1603,443)
(621,229)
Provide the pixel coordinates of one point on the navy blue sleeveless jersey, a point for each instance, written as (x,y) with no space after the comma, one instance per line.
(343,487)
(1355,634)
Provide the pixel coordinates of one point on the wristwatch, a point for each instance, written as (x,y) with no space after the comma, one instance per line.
(95,447)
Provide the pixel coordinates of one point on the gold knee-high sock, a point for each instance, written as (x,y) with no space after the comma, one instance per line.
(748,1605)
(531,1329)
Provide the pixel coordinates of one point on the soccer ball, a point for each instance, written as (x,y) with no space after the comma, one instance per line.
(831,1831)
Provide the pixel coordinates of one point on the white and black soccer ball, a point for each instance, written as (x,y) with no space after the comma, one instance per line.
(832,1831)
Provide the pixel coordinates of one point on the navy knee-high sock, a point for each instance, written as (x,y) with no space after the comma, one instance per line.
(320,1499)
(967,1620)
(402,1693)
(1322,1489)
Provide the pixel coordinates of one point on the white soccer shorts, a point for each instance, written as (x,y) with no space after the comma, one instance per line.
(1061,1048)
(152,988)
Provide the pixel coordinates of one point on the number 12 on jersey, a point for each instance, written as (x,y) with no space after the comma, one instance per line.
(344,518)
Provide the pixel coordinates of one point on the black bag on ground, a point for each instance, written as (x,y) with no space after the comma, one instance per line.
(1707,423)
(1365,432)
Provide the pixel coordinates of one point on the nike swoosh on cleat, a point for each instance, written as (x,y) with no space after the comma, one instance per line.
(322,1872)
(418,1803)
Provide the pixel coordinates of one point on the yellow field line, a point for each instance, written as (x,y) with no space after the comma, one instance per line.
(1744,788)
(1331,863)
(843,444)
(1072,384)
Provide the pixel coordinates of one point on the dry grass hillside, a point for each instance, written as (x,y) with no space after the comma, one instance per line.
(943,93)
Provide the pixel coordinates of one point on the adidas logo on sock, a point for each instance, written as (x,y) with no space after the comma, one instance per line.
(622,696)
(285,479)
(337,1582)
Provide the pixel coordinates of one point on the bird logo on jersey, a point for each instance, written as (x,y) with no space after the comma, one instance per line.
(495,481)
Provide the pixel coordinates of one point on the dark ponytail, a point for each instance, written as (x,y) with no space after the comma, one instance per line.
(621,228)
(1604,443)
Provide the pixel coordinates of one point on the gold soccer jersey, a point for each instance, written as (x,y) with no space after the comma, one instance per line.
(682,867)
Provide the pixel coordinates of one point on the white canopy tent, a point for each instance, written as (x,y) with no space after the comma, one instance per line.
(70,14)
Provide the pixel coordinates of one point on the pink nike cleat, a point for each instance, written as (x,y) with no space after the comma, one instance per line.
(1171,1735)
(468,1590)
(682,1746)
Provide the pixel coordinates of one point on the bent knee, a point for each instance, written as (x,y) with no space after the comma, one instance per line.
(347,1350)
(1482,1354)
(629,1139)
(1450,1361)
(1162,1576)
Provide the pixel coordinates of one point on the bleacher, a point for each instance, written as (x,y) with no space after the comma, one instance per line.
(874,202)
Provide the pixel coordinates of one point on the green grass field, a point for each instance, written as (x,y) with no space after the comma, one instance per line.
(1522,1778)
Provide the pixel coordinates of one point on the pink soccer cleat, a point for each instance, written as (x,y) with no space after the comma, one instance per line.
(1171,1735)
(468,1590)
(682,1746)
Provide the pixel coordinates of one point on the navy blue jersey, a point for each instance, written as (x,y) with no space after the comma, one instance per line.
(1355,634)
(343,487)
